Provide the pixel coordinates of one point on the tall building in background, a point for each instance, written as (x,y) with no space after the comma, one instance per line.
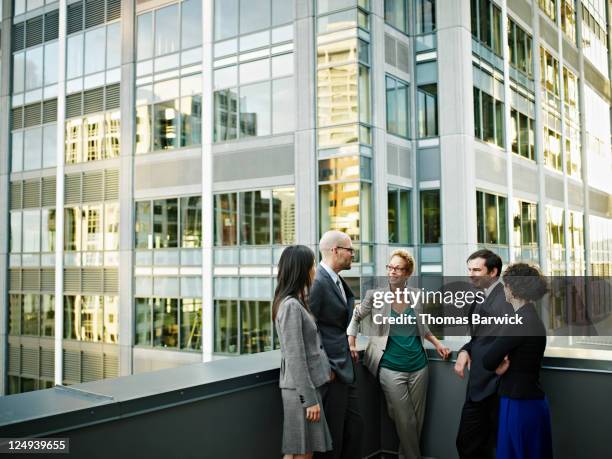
(156,156)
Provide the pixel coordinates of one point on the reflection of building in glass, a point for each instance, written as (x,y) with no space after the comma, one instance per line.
(190,165)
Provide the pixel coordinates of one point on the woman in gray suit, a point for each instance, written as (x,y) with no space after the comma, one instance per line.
(304,365)
(395,353)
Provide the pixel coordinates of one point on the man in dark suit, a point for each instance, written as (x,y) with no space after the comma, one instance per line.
(331,302)
(478,426)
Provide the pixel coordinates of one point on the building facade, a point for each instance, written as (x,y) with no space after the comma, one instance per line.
(156,156)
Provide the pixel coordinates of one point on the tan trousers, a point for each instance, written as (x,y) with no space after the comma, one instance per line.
(406,393)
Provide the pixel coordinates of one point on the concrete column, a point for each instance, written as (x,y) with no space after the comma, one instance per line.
(584,157)
(379,135)
(59,196)
(208,313)
(539,142)
(455,83)
(306,170)
(566,233)
(126,188)
(507,140)
(5,169)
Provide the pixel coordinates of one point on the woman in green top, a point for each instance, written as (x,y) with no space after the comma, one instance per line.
(395,353)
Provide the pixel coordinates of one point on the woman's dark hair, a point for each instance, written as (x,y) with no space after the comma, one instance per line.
(525,281)
(294,267)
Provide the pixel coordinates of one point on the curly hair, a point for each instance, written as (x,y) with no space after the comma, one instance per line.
(525,281)
(405,255)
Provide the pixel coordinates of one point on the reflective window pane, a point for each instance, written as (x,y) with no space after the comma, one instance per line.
(430,217)
(255,71)
(191,121)
(95,46)
(32,150)
(48,230)
(283,216)
(92,228)
(112,134)
(226,115)
(167,30)
(72,228)
(111,226)
(226,219)
(74,56)
(165,322)
(339,208)
(283,103)
(91,318)
(282,12)
(255,217)
(51,59)
(111,319)
(17,151)
(282,65)
(14,318)
(191,323)
(256,326)
(144,48)
(142,335)
(226,326)
(15,232)
(142,226)
(31,231)
(30,315)
(49,145)
(191,23)
(166,118)
(395,14)
(255,109)
(144,131)
(47,315)
(93,137)
(113,45)
(74,141)
(18,72)
(226,19)
(165,223)
(72,317)
(34,68)
(191,222)
(254,15)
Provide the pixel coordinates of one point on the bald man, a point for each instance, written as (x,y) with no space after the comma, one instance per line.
(331,302)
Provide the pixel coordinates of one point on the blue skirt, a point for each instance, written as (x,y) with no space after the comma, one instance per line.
(524,429)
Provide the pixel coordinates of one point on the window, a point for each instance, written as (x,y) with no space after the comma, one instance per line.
(265,217)
(93,137)
(488,118)
(91,318)
(549,7)
(525,227)
(226,326)
(398,216)
(87,228)
(165,322)
(30,315)
(247,16)
(486,24)
(549,72)
(522,134)
(555,227)
(397,107)
(255,107)
(425,16)
(568,19)
(165,223)
(430,217)
(552,149)
(256,326)
(491,218)
(519,47)
(427,98)
(395,14)
(31,231)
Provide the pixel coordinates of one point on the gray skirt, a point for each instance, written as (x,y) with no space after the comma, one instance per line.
(299,435)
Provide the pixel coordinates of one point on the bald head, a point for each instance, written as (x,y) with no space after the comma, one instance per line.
(337,250)
(332,239)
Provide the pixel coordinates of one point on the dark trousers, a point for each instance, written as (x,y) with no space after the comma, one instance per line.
(478,428)
(344,420)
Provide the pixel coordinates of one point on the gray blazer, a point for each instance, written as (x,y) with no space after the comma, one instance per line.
(333,315)
(304,364)
(378,333)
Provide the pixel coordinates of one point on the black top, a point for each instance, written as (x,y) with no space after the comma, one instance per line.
(333,316)
(522,379)
(482,382)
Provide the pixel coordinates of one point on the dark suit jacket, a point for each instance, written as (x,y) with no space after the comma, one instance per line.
(333,317)
(522,379)
(482,382)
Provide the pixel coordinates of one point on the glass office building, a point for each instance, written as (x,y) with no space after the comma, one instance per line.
(156,156)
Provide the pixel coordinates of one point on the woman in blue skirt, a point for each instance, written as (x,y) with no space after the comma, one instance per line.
(524,418)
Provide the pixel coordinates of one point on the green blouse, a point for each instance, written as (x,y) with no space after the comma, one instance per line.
(404,350)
